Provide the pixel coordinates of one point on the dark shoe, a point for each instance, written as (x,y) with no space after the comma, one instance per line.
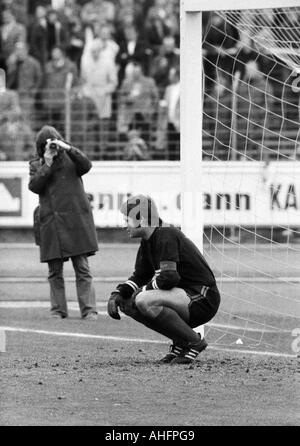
(191,352)
(91,317)
(58,316)
(174,352)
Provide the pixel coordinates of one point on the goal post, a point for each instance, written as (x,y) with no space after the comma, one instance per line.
(191,112)
(195,6)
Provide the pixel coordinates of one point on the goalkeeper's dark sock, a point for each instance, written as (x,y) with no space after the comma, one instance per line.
(153,325)
(174,326)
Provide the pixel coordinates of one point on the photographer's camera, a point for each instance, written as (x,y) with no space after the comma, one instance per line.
(53,146)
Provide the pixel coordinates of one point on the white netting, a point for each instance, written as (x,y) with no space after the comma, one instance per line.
(251,116)
(274,31)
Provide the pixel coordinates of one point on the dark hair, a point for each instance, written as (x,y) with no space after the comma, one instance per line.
(60,48)
(47,132)
(142,206)
(51,11)
(136,60)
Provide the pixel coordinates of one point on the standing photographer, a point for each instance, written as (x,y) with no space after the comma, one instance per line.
(65,222)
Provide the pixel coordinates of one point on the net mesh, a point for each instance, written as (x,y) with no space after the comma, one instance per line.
(251,62)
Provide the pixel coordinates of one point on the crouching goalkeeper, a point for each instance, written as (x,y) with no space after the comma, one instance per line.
(172,289)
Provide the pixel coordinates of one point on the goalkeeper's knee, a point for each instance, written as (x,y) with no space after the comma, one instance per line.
(146,306)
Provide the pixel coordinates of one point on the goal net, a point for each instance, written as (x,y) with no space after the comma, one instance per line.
(251,174)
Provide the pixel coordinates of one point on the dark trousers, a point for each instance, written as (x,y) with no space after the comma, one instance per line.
(140,123)
(84,286)
(173,142)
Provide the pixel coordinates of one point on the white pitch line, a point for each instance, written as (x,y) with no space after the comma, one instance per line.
(22,304)
(260,353)
(112,279)
(19,305)
(36,248)
(138,340)
(246,329)
(228,246)
(102,246)
(79,335)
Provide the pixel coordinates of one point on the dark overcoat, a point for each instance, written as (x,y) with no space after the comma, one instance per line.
(66,224)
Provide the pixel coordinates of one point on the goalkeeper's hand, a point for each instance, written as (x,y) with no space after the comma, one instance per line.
(113,305)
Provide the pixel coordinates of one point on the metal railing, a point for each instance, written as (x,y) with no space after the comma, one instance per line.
(145,136)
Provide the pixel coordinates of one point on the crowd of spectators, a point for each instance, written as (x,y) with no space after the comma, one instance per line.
(106,72)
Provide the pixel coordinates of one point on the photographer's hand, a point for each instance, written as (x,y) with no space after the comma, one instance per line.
(63,145)
(49,154)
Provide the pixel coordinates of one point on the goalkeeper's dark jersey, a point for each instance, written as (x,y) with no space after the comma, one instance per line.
(169,244)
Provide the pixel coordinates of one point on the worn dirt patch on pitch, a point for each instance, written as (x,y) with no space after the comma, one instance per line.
(55,381)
